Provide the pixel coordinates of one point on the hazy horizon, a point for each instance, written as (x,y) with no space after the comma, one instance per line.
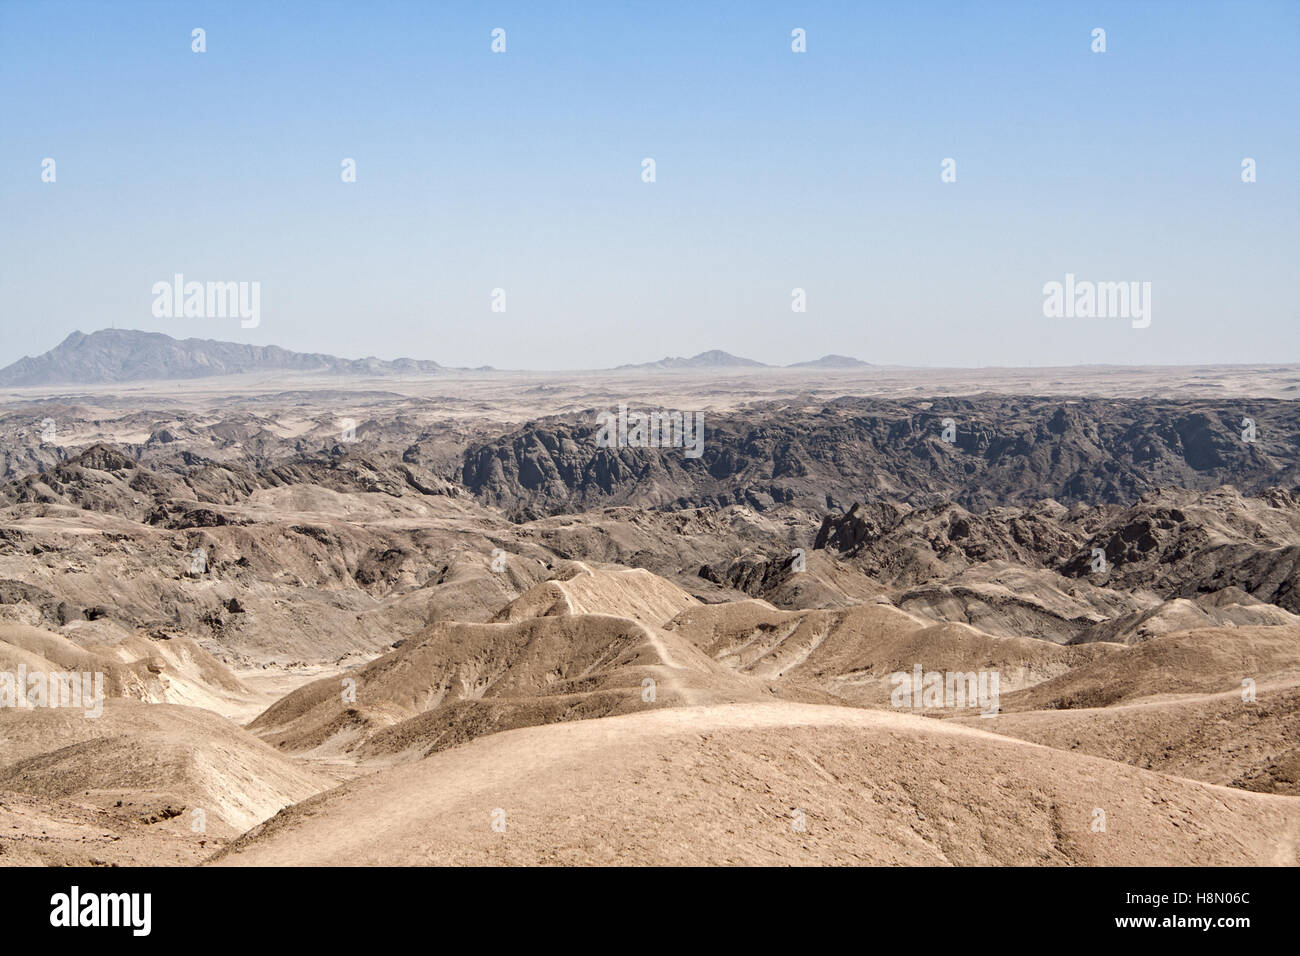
(630,365)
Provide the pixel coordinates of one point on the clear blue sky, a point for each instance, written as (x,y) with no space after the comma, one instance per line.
(775,170)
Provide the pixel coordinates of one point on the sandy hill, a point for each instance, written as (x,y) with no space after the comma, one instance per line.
(583,645)
(140,771)
(1230,607)
(1012,601)
(852,652)
(727,785)
(1218,738)
(134,665)
(578,588)
(1201,661)
(41,651)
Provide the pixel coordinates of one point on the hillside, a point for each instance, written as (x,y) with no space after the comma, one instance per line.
(123,355)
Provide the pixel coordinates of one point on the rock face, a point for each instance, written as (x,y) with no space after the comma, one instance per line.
(1183,545)
(1004,451)
(885,538)
(123,355)
(1176,543)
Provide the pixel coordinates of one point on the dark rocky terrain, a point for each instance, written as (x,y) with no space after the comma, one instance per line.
(1167,491)
(1006,451)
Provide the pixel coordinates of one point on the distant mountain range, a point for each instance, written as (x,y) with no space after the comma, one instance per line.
(716,358)
(832,361)
(110,356)
(123,355)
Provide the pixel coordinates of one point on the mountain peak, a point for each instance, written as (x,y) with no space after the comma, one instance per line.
(832,361)
(713,358)
(128,355)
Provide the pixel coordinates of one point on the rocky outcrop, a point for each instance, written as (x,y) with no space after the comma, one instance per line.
(1004,451)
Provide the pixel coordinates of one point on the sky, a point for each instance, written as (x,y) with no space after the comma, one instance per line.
(774,170)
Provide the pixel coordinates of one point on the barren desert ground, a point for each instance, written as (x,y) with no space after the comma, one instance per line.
(885,616)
